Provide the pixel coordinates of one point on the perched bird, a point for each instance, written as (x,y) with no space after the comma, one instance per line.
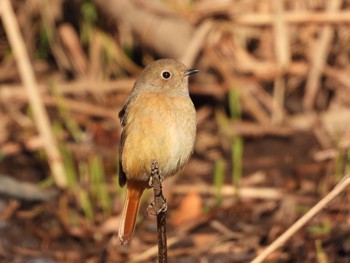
(158,123)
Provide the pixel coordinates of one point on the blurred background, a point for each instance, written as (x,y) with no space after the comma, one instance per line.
(272,98)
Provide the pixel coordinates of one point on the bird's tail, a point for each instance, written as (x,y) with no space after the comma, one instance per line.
(130,211)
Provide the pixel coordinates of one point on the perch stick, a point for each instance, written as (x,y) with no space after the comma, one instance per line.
(160,206)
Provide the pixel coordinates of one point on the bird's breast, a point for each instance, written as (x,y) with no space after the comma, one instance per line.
(160,128)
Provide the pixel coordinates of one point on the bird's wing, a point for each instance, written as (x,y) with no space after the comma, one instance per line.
(123,116)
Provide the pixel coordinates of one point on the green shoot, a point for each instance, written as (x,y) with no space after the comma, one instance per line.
(70,123)
(45,38)
(68,161)
(234,104)
(99,186)
(237,142)
(321,255)
(347,166)
(67,156)
(323,229)
(219,174)
(85,203)
(237,156)
(89,14)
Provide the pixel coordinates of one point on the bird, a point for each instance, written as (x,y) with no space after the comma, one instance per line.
(158,123)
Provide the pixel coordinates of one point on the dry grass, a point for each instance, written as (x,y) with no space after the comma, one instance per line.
(65,76)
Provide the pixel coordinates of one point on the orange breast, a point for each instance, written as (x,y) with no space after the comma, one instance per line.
(158,128)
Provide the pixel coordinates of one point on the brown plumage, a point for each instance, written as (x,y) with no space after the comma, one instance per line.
(158,123)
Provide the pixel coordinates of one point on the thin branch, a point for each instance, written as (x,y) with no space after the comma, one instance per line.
(160,206)
(255,19)
(162,240)
(338,189)
(264,193)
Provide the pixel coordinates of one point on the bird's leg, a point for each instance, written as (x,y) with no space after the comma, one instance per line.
(159,203)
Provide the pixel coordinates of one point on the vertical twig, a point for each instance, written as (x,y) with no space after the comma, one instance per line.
(162,240)
(282,50)
(27,75)
(319,59)
(160,206)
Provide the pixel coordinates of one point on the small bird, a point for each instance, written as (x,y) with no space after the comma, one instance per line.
(158,124)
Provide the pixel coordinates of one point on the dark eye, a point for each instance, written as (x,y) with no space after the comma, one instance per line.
(166,74)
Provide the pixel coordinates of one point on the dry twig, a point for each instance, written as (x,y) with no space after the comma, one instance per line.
(255,19)
(337,190)
(319,59)
(282,50)
(160,206)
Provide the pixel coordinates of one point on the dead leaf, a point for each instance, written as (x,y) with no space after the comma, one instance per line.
(189,209)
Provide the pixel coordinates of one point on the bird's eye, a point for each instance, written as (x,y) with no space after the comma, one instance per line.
(166,74)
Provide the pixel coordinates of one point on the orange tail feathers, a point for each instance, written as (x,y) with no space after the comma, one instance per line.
(130,211)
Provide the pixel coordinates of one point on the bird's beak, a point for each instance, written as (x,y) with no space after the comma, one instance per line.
(191,71)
